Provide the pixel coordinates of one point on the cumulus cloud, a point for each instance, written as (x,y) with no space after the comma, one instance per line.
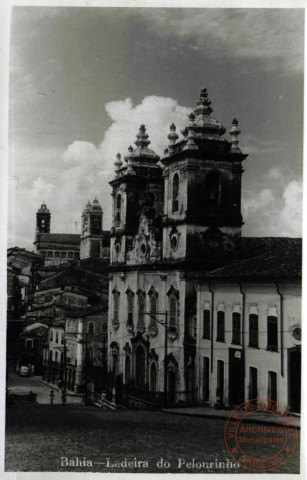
(267,214)
(92,167)
(86,168)
(290,219)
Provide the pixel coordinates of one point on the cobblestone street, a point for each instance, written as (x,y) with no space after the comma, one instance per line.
(38,437)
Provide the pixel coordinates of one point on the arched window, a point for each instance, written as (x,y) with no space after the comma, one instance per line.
(118,209)
(153,377)
(57,254)
(62,338)
(175,196)
(213,188)
(51,335)
(91,327)
(130,308)
(206,324)
(220,337)
(50,355)
(140,366)
(141,316)
(70,254)
(127,370)
(95,224)
(56,356)
(173,313)
(29,343)
(63,254)
(118,202)
(56,337)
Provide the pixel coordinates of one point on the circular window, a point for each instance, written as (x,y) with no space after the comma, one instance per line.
(297,333)
(174,242)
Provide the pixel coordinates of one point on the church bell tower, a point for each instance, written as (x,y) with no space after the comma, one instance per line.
(43,217)
(91,230)
(202,189)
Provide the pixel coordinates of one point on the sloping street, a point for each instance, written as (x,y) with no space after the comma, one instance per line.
(88,439)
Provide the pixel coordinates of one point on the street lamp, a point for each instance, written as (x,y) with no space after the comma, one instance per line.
(165,325)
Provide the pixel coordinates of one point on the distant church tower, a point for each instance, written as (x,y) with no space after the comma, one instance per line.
(91,231)
(43,217)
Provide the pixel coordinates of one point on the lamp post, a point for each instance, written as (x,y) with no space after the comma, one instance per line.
(165,325)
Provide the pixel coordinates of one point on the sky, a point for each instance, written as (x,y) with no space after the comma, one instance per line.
(82,81)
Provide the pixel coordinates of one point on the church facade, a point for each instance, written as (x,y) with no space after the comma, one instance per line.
(174,219)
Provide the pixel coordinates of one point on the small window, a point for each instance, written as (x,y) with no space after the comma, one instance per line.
(56,356)
(63,254)
(76,326)
(91,327)
(272,333)
(62,338)
(206,324)
(253,330)
(70,254)
(57,254)
(236,328)
(51,335)
(29,343)
(56,337)
(220,327)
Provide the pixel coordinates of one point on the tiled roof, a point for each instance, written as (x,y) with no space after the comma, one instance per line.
(59,238)
(87,311)
(280,257)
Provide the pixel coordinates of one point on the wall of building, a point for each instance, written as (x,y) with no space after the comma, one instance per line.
(262,299)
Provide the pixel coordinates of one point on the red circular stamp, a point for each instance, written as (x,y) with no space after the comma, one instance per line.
(256,441)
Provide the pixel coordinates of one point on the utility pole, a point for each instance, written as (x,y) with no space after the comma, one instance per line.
(165,359)
(85,371)
(64,366)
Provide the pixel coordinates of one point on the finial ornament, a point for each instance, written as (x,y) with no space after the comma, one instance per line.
(234,132)
(142,138)
(172,136)
(118,164)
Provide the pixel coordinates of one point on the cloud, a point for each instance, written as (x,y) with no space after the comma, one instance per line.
(262,34)
(290,219)
(86,168)
(267,214)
